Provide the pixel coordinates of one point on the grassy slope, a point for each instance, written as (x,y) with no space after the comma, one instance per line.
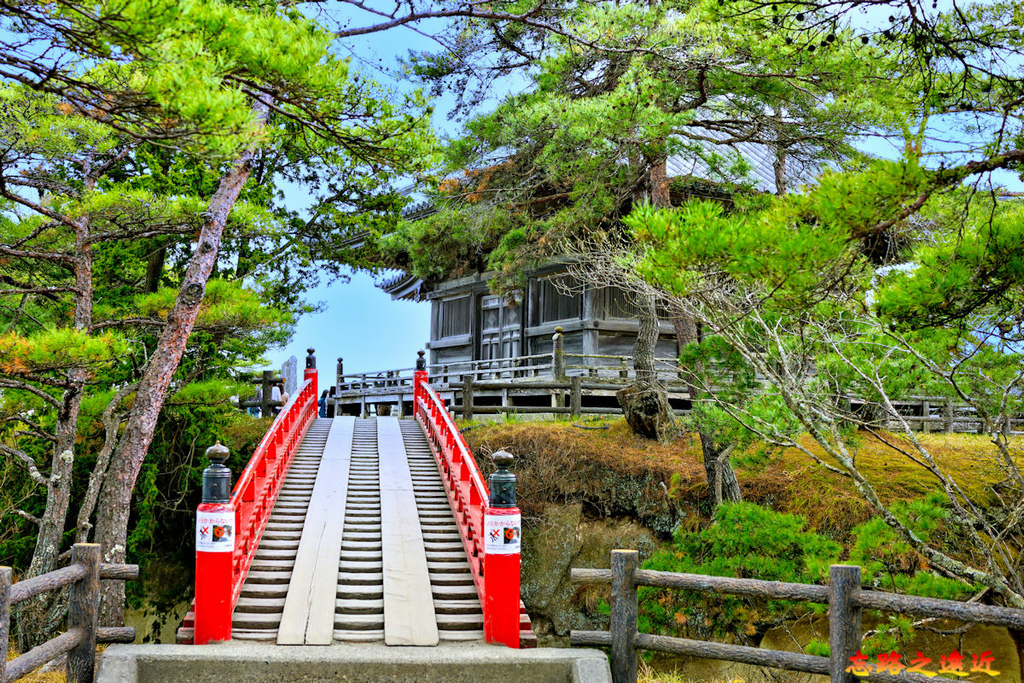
(562,461)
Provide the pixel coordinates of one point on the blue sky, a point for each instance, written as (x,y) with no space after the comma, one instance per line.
(360,322)
(362,325)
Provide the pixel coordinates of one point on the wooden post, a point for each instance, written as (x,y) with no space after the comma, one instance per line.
(5,617)
(575,396)
(623,369)
(558,355)
(844,620)
(926,413)
(467,398)
(624,616)
(83,612)
(947,416)
(265,408)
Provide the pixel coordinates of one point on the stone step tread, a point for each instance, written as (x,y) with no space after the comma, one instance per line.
(358,622)
(369,636)
(360,605)
(265,605)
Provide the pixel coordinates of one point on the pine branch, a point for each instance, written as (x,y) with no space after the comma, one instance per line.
(25,461)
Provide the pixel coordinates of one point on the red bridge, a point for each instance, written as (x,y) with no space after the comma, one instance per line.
(366,530)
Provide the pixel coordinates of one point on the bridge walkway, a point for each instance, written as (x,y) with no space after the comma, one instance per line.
(361,545)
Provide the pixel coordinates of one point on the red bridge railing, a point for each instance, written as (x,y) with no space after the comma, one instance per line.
(221,571)
(495,564)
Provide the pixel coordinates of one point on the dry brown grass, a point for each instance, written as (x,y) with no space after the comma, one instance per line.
(50,677)
(561,461)
(646,674)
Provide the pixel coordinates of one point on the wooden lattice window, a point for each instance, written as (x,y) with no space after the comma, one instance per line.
(554,303)
(453,317)
(618,304)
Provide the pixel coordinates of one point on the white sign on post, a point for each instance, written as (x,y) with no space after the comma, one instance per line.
(215,532)
(502,534)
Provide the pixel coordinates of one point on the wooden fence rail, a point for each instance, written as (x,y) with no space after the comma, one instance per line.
(569,375)
(464,382)
(844,596)
(83,576)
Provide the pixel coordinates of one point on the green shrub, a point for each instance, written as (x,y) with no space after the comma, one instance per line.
(743,541)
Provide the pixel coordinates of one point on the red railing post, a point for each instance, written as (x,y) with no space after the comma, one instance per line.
(419,379)
(502,544)
(215,546)
(310,373)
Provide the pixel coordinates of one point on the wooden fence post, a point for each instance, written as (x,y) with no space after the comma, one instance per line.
(624,616)
(844,620)
(575,396)
(83,612)
(947,416)
(558,355)
(926,413)
(467,397)
(5,617)
(266,390)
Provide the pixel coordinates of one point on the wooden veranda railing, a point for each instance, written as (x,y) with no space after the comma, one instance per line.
(481,387)
(844,596)
(79,641)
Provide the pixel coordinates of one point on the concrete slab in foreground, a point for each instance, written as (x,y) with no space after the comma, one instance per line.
(344,663)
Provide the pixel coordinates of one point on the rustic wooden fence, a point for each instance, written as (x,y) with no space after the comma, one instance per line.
(844,596)
(482,387)
(79,641)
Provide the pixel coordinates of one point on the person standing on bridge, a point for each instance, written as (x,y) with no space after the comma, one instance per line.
(322,403)
(277,394)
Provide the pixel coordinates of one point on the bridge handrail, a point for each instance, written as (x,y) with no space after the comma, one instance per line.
(467,490)
(260,483)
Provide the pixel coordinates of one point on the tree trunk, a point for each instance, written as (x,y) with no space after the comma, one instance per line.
(644,403)
(115,496)
(39,619)
(646,344)
(721,477)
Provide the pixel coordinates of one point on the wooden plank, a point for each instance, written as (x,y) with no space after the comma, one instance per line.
(308,615)
(409,617)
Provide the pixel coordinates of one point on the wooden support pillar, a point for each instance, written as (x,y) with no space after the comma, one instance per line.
(467,398)
(947,416)
(83,612)
(926,414)
(558,355)
(575,396)
(265,391)
(844,620)
(624,616)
